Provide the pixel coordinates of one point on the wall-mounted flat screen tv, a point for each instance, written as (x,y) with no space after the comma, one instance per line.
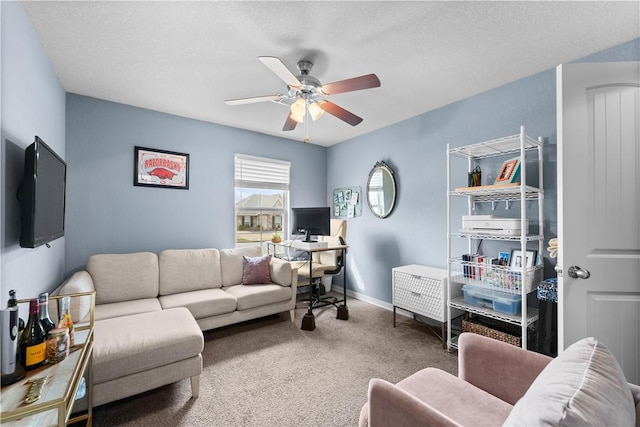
(42,195)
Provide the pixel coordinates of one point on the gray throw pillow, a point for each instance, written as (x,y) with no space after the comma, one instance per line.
(255,270)
(583,386)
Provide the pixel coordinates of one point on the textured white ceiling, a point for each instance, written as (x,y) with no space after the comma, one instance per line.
(186,58)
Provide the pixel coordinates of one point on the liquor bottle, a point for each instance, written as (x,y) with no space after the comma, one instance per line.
(65,318)
(47,323)
(33,344)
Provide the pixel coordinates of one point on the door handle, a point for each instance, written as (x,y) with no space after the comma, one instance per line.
(576,272)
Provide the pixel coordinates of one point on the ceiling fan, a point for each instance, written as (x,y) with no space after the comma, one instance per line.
(305,93)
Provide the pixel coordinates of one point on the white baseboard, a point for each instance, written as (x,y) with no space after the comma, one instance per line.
(372,301)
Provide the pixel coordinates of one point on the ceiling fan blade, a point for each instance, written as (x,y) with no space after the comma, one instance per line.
(255,99)
(340,113)
(349,85)
(280,70)
(289,124)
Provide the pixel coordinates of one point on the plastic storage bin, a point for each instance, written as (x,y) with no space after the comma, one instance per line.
(498,301)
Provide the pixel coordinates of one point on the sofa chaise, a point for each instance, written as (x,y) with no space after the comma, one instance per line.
(151,310)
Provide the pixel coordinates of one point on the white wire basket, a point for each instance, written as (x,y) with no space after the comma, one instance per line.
(496,277)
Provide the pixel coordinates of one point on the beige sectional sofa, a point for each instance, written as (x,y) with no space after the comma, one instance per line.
(151,310)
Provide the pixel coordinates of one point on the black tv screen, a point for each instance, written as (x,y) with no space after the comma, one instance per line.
(43,195)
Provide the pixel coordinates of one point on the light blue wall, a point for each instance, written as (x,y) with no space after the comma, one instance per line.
(33,103)
(107,214)
(416,148)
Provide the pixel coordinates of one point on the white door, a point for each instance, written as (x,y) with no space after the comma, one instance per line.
(599,208)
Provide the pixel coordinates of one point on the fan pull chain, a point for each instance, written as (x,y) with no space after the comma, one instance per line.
(307,117)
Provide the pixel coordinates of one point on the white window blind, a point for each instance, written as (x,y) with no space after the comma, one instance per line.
(260,172)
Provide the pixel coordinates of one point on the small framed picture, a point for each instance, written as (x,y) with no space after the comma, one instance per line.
(509,172)
(159,168)
(503,258)
(517,260)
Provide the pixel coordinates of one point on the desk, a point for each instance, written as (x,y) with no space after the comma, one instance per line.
(315,300)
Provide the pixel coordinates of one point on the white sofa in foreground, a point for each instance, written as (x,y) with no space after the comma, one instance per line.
(151,310)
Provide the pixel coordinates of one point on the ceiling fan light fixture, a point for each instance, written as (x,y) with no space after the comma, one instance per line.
(315,111)
(303,91)
(298,110)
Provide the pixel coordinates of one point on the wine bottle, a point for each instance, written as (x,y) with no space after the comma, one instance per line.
(45,320)
(33,344)
(65,318)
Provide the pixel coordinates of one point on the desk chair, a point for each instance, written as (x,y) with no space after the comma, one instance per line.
(326,263)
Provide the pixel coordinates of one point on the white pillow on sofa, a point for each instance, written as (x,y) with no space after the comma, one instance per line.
(583,386)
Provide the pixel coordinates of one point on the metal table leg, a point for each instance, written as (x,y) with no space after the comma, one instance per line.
(309,320)
(343,311)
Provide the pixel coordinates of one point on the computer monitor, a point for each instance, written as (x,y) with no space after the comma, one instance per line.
(311,222)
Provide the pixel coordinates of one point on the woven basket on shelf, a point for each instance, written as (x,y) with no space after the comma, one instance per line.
(487,331)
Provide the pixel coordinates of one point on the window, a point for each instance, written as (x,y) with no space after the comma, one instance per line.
(261,198)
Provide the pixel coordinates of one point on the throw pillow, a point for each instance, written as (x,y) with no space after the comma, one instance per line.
(255,270)
(583,386)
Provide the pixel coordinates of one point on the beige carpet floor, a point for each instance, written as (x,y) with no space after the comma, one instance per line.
(271,373)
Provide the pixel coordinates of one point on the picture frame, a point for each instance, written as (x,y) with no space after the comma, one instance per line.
(515,260)
(503,258)
(160,168)
(509,172)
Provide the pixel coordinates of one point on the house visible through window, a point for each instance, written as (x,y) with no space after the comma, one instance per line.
(261,198)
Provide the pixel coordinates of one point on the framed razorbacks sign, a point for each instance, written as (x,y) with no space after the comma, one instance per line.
(160,168)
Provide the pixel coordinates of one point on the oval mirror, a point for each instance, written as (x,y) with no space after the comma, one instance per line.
(381,190)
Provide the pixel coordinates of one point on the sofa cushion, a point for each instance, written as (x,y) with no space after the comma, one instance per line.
(583,386)
(124,277)
(185,270)
(131,344)
(201,304)
(231,263)
(79,282)
(126,308)
(258,295)
(256,270)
